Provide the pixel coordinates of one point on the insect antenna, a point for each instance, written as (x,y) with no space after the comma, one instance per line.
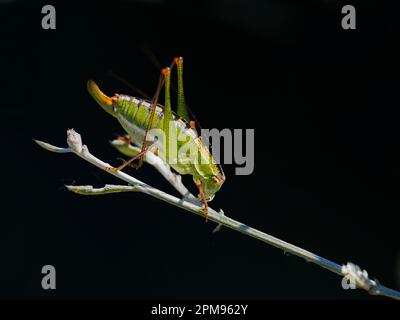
(151,56)
(128,84)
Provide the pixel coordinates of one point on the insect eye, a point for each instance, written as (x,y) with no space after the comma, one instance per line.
(215,179)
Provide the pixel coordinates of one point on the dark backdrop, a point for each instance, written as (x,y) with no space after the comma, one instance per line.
(323,102)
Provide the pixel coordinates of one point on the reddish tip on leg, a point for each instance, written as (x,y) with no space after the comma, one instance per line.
(178,59)
(165,71)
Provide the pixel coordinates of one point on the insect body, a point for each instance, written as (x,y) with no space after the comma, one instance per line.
(140,117)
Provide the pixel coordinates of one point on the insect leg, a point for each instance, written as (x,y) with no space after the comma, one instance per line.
(129,162)
(154,103)
(182,109)
(167,111)
(153,108)
(202,198)
(141,154)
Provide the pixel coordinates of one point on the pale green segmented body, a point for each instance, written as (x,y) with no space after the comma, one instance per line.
(134,116)
(180,146)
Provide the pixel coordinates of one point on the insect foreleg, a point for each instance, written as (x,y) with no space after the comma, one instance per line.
(202,197)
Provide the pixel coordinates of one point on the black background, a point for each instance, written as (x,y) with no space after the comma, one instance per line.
(323,102)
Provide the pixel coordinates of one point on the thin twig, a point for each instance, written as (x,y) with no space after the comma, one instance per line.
(351,271)
(161,166)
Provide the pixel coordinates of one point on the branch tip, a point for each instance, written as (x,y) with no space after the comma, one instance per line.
(74,140)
